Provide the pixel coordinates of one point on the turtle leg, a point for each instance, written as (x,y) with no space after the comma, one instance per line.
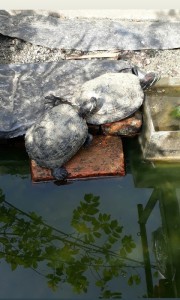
(60,173)
(139,73)
(134,70)
(51,101)
(125,70)
(88,140)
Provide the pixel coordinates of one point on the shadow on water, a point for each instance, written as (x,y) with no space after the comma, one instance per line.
(13,157)
(98,250)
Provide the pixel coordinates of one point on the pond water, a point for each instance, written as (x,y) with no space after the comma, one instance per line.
(165,108)
(90,239)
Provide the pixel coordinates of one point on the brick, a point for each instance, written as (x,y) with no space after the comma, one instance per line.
(104,157)
(127,127)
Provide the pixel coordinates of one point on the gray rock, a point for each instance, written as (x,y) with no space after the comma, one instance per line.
(89,34)
(23,89)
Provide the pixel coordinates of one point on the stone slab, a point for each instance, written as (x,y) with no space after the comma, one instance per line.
(89,34)
(104,157)
(23,88)
(129,127)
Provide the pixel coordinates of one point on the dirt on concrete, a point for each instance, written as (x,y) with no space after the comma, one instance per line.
(16,51)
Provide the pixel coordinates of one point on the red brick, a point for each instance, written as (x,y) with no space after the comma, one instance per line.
(104,157)
(128,127)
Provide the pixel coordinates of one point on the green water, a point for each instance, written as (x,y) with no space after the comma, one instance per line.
(164,108)
(90,239)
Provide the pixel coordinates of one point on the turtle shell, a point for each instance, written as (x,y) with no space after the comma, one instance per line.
(56,137)
(118,96)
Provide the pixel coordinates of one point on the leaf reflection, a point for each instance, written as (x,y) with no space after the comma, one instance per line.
(97,245)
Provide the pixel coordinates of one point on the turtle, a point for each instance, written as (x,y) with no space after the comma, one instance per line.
(58,134)
(118,95)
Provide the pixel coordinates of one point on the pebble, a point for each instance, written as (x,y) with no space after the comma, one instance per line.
(147,61)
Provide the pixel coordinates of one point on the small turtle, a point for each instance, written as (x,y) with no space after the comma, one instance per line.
(58,135)
(118,95)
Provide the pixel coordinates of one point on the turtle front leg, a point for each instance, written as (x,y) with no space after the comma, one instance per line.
(60,173)
(51,101)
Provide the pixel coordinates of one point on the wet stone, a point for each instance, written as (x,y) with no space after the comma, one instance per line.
(129,127)
(104,157)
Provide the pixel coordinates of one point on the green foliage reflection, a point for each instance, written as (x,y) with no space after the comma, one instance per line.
(97,246)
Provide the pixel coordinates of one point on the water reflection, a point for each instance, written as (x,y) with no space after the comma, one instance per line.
(166,241)
(13,157)
(165,179)
(98,252)
(97,245)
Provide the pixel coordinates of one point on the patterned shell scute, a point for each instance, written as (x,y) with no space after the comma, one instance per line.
(56,137)
(118,96)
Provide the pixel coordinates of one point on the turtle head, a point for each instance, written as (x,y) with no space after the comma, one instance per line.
(88,107)
(146,79)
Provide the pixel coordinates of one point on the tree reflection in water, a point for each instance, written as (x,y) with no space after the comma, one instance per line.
(97,244)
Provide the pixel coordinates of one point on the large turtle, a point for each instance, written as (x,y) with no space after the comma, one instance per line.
(118,95)
(57,136)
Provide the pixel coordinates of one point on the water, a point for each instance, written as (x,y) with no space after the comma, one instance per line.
(83,240)
(164,102)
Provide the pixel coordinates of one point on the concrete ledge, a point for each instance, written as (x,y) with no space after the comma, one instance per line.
(113,14)
(125,14)
(160,137)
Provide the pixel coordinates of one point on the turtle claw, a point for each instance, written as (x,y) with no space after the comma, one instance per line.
(60,173)
(88,140)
